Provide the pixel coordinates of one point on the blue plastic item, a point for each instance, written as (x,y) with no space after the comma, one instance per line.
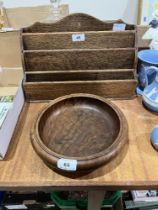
(149,57)
(146,75)
(150,95)
(146,71)
(148,78)
(154,137)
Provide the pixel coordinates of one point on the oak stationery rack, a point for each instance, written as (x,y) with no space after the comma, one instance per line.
(78,54)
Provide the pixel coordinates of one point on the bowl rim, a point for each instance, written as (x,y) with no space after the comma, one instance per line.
(117,144)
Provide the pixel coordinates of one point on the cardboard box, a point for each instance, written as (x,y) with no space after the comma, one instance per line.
(17,18)
(10,76)
(25,16)
(9,123)
(10,53)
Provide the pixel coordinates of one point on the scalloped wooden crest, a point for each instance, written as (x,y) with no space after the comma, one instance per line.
(74,22)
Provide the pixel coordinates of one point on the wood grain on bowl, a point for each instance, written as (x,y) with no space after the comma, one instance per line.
(81,127)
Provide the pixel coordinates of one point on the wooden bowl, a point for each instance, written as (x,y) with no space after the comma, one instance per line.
(79,132)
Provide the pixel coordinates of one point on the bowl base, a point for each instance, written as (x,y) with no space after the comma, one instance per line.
(69,174)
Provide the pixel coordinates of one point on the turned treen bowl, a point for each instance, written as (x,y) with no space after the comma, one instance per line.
(79,132)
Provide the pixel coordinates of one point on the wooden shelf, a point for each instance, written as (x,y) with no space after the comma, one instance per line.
(63,40)
(46,60)
(101,64)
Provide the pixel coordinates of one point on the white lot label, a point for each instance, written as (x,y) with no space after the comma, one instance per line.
(78,37)
(119,27)
(67,165)
(21,206)
(7,29)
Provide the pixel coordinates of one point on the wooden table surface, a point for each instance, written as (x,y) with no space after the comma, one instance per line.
(136,167)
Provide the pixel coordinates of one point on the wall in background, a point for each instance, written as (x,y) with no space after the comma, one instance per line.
(102,9)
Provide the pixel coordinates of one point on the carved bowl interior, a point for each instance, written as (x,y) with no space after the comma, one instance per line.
(82,127)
